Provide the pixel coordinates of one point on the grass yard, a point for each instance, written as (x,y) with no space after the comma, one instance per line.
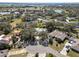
(16,21)
(73,54)
(50,55)
(13,24)
(59,47)
(74,21)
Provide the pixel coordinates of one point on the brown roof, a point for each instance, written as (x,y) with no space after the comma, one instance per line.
(58,34)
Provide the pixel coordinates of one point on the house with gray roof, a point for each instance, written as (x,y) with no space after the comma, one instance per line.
(75,48)
(74,44)
(60,36)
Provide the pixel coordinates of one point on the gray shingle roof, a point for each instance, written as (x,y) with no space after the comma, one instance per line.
(58,34)
(76,48)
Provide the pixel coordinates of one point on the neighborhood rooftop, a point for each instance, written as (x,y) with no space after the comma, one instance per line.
(58,34)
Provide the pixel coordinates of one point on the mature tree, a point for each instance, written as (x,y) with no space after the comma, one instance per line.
(49,55)
(5,27)
(43,35)
(40,24)
(50,26)
(51,41)
(27,34)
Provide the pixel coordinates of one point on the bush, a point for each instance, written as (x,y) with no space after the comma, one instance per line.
(49,55)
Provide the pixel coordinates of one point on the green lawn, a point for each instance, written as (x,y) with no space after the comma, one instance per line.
(16,21)
(73,54)
(59,47)
(50,55)
(74,21)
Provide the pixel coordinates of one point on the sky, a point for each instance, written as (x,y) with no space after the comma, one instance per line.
(41,1)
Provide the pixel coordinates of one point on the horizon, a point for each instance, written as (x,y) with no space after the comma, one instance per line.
(39,1)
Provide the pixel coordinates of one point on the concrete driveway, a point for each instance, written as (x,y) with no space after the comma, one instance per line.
(3,53)
(41,49)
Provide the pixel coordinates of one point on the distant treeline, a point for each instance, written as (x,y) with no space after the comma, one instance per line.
(75,5)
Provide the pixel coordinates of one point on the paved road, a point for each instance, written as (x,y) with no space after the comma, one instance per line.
(3,53)
(41,49)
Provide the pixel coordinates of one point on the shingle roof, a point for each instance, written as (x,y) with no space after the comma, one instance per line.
(76,48)
(58,34)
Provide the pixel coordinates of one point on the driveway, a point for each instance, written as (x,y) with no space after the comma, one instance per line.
(41,49)
(65,49)
(3,53)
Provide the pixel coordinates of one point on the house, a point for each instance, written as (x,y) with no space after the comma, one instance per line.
(70,18)
(5,42)
(60,36)
(75,45)
(16,13)
(75,48)
(5,39)
(60,18)
(2,36)
(40,30)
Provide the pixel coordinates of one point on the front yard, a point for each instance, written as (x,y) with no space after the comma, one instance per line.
(59,47)
(73,54)
(16,21)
